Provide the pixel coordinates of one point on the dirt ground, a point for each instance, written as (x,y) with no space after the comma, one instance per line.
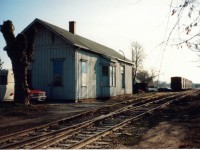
(15,117)
(175,126)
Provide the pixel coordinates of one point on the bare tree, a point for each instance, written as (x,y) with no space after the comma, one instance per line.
(186,27)
(146,77)
(19,50)
(137,58)
(163,84)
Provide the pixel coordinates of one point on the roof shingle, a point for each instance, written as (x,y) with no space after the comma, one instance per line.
(81,41)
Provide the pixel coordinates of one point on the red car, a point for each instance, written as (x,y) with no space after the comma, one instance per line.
(7,88)
(37,95)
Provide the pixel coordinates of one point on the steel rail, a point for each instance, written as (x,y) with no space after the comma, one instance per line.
(51,137)
(90,140)
(90,125)
(12,136)
(47,125)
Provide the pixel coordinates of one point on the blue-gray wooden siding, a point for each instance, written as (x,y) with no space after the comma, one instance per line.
(48,47)
(98,85)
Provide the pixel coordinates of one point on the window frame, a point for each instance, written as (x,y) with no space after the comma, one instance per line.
(84,73)
(112,76)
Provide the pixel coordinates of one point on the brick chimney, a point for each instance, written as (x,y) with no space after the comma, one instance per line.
(72,27)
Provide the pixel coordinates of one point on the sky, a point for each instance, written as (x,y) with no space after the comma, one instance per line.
(113,23)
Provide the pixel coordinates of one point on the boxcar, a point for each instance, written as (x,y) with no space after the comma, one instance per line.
(179,84)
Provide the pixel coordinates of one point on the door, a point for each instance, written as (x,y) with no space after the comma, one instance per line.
(84,79)
(57,83)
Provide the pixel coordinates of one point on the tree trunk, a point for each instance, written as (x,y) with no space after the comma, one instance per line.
(19,50)
(21,85)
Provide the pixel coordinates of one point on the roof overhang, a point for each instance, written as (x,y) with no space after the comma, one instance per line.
(111,58)
(128,62)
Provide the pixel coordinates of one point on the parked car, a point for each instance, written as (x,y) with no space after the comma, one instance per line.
(152,88)
(165,89)
(37,95)
(7,88)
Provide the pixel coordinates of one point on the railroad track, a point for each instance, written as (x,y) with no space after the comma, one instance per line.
(62,134)
(69,121)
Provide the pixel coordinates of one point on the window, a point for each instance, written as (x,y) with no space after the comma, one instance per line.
(3,79)
(112,76)
(84,72)
(105,70)
(122,69)
(109,75)
(57,72)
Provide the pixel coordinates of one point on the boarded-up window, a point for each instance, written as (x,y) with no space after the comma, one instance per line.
(112,76)
(57,72)
(84,72)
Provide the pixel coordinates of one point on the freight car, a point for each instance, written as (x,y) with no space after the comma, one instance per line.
(179,84)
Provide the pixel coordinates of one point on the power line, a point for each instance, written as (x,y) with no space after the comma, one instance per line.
(165,43)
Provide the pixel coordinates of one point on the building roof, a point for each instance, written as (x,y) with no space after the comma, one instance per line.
(80,41)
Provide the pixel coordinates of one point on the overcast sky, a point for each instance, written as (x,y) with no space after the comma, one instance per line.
(113,23)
